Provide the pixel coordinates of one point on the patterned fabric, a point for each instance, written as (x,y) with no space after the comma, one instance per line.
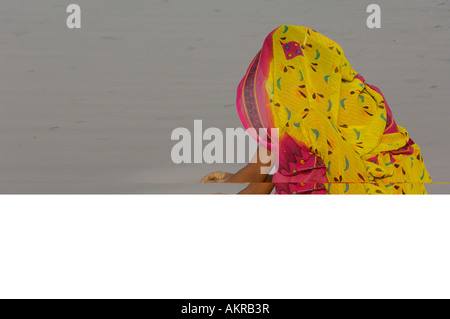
(337,134)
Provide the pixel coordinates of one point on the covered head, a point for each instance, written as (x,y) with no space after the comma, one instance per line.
(301,84)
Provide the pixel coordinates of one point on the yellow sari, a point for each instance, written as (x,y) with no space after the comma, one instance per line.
(302,84)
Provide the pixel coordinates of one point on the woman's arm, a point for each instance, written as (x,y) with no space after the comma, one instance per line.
(263,188)
(249,174)
(254,173)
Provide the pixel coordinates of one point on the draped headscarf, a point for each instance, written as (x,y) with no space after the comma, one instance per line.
(301,83)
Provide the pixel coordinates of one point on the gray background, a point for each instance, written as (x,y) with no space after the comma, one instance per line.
(92,110)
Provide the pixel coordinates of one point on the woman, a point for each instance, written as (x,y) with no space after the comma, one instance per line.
(336,133)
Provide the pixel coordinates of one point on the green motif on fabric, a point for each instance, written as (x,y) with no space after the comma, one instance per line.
(330,105)
(347,188)
(289,113)
(334,127)
(317,55)
(279,83)
(316,132)
(358,133)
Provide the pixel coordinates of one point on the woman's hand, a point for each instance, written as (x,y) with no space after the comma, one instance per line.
(216,177)
(260,183)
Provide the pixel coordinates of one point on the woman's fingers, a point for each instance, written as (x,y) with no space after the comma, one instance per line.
(213,177)
(210,178)
(216,177)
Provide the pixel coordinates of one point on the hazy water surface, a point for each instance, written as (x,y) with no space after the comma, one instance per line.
(92,110)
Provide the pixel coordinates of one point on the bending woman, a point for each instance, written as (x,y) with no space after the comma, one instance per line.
(336,133)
